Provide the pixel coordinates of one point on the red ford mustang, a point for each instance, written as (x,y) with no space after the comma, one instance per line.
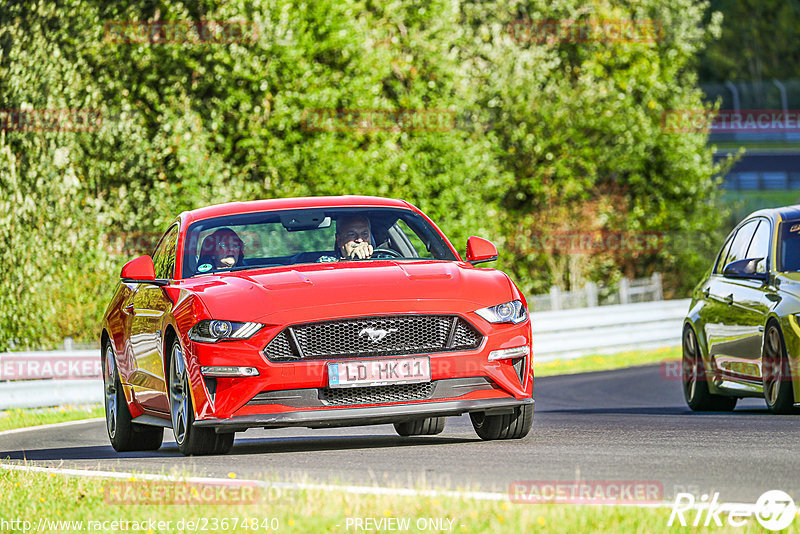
(313,312)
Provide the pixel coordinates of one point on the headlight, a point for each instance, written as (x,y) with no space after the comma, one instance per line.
(213,330)
(508,312)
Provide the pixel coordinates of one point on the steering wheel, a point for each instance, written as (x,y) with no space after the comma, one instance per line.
(385,253)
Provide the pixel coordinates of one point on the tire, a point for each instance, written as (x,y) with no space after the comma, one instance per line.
(123,433)
(191,440)
(695,380)
(775,372)
(421,427)
(504,426)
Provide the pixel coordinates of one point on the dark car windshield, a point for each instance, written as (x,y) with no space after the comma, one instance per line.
(279,238)
(789,246)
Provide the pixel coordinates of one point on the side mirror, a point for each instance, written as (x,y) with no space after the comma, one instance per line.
(744,269)
(141,270)
(480,250)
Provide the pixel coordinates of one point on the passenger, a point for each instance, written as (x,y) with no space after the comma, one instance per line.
(222,249)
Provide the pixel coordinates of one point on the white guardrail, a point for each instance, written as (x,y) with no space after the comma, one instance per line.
(52,378)
(567,334)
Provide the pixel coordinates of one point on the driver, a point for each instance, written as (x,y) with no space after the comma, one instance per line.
(222,249)
(354,238)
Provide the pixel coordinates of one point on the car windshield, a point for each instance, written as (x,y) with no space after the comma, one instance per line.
(789,246)
(320,235)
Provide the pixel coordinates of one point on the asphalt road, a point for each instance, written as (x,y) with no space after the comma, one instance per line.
(630,425)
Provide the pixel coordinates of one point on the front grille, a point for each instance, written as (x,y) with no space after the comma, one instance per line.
(376,394)
(281,347)
(373,336)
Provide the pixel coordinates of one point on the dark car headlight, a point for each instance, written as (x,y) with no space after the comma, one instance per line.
(508,312)
(213,330)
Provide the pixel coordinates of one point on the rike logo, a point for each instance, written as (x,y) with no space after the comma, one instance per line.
(376,334)
(774,510)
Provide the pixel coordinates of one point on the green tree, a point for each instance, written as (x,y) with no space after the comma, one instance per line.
(547,136)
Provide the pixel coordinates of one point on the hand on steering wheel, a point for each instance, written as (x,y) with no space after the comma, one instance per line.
(385,253)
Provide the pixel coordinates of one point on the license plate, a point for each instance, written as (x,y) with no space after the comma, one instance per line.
(379,372)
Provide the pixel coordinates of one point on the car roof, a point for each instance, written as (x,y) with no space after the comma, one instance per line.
(783,213)
(233,208)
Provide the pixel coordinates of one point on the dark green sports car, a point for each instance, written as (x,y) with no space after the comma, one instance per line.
(741,337)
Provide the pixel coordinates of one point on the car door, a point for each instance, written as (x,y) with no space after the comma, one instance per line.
(150,305)
(751,303)
(724,333)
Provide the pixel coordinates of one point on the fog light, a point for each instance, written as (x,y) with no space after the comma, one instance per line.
(504,354)
(229,371)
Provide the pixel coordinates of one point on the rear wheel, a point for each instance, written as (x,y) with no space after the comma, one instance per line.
(514,425)
(421,427)
(124,434)
(191,440)
(695,380)
(775,372)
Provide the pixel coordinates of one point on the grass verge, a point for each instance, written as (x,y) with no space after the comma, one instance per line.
(20,417)
(606,362)
(91,506)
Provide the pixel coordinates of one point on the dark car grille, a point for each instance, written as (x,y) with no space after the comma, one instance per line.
(376,394)
(373,336)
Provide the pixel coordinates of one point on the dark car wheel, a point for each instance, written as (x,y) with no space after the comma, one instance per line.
(191,440)
(695,381)
(514,425)
(775,372)
(421,427)
(124,434)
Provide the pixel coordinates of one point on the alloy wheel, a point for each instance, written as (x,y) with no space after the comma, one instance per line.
(690,364)
(772,368)
(178,394)
(110,387)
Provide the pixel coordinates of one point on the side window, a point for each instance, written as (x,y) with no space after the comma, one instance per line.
(418,248)
(164,255)
(759,247)
(741,242)
(722,255)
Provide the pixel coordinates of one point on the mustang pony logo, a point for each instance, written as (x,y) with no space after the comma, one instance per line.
(376,334)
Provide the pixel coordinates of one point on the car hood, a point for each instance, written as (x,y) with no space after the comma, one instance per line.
(318,291)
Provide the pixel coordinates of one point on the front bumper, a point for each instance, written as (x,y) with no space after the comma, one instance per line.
(274,392)
(373,415)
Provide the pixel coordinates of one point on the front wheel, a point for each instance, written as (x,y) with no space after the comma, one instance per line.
(514,425)
(191,440)
(122,432)
(775,373)
(695,379)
